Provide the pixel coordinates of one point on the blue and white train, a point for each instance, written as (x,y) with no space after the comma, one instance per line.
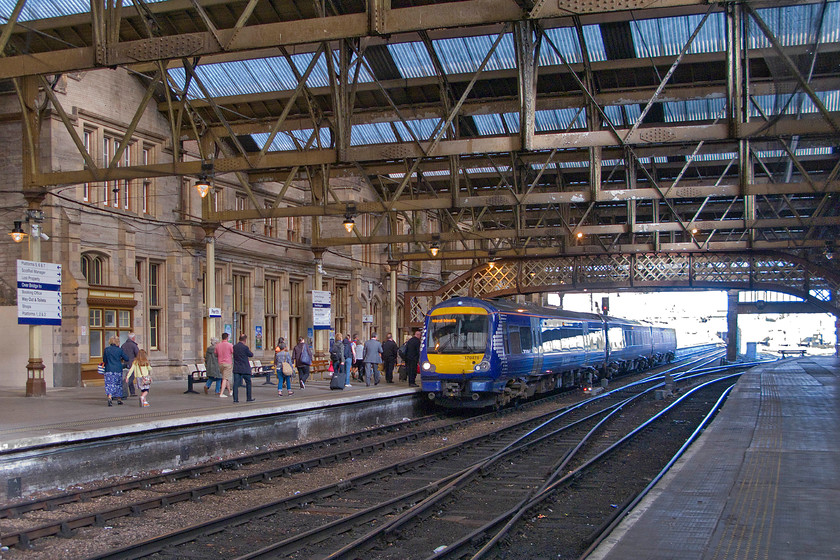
(478,353)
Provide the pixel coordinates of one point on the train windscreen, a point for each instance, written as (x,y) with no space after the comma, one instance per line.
(458,334)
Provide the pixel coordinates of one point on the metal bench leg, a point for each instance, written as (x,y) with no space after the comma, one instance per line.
(190,382)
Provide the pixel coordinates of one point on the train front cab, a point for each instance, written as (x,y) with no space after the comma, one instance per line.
(457,365)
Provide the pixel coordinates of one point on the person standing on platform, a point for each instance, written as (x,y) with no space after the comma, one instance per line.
(131,350)
(372,357)
(302,355)
(283,365)
(224,352)
(389,357)
(337,356)
(412,357)
(141,370)
(211,364)
(348,359)
(358,359)
(242,368)
(113,358)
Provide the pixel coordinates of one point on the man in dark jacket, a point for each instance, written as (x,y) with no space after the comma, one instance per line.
(389,357)
(131,350)
(412,356)
(242,368)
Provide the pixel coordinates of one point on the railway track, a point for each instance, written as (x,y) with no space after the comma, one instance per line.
(340,449)
(339,509)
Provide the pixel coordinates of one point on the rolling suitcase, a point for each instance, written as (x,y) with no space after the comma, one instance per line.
(337,381)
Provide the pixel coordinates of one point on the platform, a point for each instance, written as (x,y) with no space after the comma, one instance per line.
(763,481)
(78,413)
(72,436)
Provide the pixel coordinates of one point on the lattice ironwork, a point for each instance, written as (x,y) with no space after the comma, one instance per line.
(758,270)
(723,268)
(779,272)
(558,271)
(604,269)
(664,267)
(498,278)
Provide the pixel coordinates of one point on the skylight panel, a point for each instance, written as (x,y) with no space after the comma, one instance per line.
(489,125)
(284,142)
(694,110)
(668,36)
(795,25)
(791,104)
(566,41)
(463,55)
(412,60)
(558,120)
(42,9)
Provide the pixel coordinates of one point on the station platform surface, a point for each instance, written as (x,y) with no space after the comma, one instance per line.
(762,482)
(73,414)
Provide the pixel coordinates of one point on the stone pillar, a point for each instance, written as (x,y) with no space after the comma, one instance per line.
(732,325)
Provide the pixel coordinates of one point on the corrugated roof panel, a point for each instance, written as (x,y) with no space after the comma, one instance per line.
(463,55)
(489,125)
(790,104)
(726,156)
(374,133)
(412,59)
(794,25)
(623,115)
(284,142)
(694,110)
(566,41)
(594,43)
(668,36)
(558,120)
(423,129)
(39,9)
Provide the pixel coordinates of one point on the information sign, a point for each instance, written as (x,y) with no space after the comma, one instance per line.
(39,293)
(321,313)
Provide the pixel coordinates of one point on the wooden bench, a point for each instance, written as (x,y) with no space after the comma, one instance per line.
(258,369)
(785,353)
(321,367)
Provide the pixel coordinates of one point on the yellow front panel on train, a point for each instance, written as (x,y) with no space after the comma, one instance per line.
(454,364)
(459,310)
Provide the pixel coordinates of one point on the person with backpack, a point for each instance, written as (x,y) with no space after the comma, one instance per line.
(302,356)
(283,365)
(337,355)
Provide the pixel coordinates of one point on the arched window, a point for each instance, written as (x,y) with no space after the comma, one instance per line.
(93,267)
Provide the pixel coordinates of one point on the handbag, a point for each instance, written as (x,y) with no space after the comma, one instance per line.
(286,368)
(100,369)
(330,369)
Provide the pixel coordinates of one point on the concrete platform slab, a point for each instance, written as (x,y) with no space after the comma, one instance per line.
(763,482)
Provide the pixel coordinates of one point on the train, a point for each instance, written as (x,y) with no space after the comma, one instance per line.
(478,353)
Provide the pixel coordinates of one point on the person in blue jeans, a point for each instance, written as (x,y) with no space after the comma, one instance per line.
(348,360)
(281,357)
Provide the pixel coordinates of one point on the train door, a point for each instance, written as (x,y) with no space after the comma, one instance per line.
(521,345)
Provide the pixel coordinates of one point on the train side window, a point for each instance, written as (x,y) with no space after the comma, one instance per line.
(513,340)
(525,340)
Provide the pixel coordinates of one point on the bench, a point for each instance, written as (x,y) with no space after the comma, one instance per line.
(197,375)
(258,369)
(785,353)
(321,367)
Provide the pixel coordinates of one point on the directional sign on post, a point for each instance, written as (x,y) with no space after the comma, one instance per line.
(39,293)
(321,316)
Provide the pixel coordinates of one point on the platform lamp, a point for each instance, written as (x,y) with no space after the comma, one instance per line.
(829,250)
(17,233)
(434,247)
(203,185)
(349,224)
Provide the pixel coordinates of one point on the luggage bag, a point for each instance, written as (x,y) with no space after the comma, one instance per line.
(337,381)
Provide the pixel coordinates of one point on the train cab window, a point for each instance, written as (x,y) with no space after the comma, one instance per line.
(458,334)
(616,338)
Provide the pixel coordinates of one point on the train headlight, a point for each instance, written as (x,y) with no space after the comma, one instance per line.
(483,366)
(427,366)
